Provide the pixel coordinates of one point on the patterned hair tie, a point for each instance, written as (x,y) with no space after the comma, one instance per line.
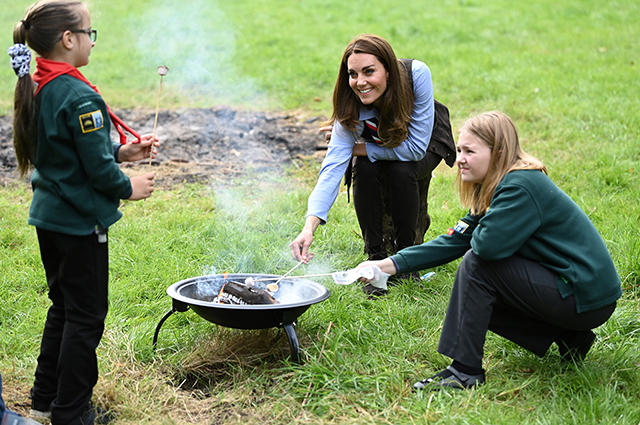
(20,59)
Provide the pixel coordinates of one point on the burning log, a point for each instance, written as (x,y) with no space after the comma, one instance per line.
(239,294)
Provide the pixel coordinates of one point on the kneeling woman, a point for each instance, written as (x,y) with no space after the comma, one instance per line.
(535,270)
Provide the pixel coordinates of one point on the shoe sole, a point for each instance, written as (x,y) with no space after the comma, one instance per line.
(39,414)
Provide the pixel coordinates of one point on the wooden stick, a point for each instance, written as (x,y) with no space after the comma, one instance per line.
(293,277)
(283,276)
(162,70)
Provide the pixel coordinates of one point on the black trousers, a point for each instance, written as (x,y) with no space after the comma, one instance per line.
(515,298)
(77,270)
(401,178)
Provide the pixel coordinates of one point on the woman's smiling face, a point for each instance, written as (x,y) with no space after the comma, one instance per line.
(367,77)
(474,158)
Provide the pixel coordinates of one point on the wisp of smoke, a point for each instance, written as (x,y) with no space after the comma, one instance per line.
(197,42)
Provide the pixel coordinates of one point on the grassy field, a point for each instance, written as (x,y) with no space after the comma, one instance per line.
(566,71)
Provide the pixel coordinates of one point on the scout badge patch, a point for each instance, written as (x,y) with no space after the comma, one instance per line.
(92,121)
(461,227)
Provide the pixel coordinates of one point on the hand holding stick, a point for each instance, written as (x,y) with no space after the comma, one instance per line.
(162,70)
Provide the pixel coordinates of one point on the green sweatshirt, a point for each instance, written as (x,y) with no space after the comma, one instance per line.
(77,184)
(531,217)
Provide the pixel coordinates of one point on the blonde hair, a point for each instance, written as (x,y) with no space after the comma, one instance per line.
(499,133)
(40,29)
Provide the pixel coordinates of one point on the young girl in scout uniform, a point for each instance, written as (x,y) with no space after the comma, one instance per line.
(534,268)
(62,131)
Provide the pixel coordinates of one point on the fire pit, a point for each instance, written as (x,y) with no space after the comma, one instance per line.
(294,297)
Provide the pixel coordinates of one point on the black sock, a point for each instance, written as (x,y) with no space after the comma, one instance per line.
(469,370)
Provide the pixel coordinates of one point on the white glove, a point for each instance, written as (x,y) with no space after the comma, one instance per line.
(377,276)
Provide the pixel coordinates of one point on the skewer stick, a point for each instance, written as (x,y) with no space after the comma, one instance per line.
(285,275)
(293,277)
(162,70)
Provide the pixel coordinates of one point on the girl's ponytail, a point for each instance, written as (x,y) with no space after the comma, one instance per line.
(23,116)
(40,29)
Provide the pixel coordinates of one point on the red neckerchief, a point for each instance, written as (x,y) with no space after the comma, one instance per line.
(47,70)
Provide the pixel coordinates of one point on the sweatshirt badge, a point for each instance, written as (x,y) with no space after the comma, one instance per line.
(92,121)
(461,227)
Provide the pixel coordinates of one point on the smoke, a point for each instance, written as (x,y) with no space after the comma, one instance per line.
(252,215)
(198,43)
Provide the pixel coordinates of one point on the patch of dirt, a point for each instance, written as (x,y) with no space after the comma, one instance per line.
(202,145)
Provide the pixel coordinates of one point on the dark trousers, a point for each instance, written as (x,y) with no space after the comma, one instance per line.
(515,298)
(401,180)
(77,270)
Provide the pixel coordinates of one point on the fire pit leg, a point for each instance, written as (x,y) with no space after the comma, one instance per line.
(164,318)
(293,342)
(175,306)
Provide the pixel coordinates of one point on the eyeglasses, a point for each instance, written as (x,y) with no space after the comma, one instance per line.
(93,34)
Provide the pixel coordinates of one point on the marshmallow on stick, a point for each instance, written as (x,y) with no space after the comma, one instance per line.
(162,71)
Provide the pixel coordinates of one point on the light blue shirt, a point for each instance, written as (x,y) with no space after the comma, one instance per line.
(414,148)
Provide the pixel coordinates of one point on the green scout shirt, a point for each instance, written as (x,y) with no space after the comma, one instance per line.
(77,184)
(531,217)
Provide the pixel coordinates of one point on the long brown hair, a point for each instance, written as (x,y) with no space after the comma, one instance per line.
(498,132)
(396,103)
(40,29)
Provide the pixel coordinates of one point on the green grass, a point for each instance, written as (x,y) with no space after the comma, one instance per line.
(565,71)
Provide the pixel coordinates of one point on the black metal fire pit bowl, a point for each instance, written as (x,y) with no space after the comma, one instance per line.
(295,296)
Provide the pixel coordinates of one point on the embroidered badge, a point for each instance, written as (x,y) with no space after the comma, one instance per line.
(461,227)
(84,105)
(91,122)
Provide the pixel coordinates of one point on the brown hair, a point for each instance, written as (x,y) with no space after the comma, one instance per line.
(396,103)
(498,132)
(40,29)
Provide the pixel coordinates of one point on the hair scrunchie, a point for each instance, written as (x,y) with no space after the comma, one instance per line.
(20,59)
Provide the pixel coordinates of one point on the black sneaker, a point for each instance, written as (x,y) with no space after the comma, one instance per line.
(39,414)
(376,254)
(94,415)
(39,410)
(450,378)
(574,345)
(373,292)
(397,278)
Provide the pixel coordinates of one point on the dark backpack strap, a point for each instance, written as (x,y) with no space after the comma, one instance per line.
(441,143)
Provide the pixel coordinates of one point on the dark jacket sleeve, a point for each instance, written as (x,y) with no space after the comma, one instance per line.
(90,125)
(443,249)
